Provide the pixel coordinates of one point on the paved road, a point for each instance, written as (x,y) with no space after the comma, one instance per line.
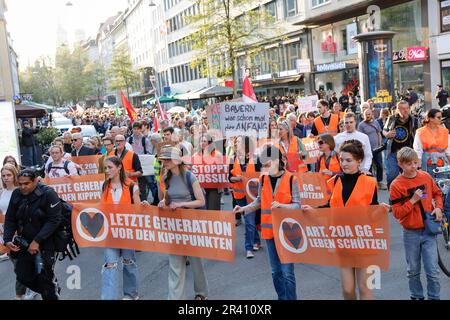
(243,279)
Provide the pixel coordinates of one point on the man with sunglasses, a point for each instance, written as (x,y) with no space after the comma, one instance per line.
(78,148)
(130,160)
(34,213)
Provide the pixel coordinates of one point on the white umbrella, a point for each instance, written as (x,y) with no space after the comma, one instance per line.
(177,110)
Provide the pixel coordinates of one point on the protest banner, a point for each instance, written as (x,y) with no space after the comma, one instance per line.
(312,147)
(213,114)
(147,164)
(313,189)
(211,171)
(3,248)
(307,104)
(81,189)
(356,237)
(87,164)
(244,119)
(251,182)
(195,233)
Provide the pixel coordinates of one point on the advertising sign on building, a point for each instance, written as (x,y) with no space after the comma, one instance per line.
(303,65)
(410,54)
(352,45)
(331,67)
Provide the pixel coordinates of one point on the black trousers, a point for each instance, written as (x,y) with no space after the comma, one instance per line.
(37,272)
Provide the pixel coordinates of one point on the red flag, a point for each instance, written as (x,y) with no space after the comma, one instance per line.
(156,125)
(127,105)
(248,94)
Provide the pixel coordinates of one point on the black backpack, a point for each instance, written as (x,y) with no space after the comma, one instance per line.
(65,167)
(64,241)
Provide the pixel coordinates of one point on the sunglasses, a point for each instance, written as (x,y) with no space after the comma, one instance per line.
(75,140)
(27,175)
(320,142)
(349,122)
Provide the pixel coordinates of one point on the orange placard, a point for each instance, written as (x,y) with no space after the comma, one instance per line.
(81,189)
(313,189)
(196,233)
(312,147)
(3,249)
(355,237)
(251,183)
(87,164)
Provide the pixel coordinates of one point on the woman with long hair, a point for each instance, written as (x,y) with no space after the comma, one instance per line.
(278,188)
(182,190)
(432,143)
(290,145)
(13,161)
(119,190)
(328,163)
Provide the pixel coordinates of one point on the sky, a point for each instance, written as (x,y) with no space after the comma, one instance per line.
(33,23)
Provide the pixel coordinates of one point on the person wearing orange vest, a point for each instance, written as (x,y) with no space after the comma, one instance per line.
(278,189)
(350,189)
(431,142)
(328,163)
(326,122)
(130,160)
(291,145)
(119,190)
(244,162)
(337,110)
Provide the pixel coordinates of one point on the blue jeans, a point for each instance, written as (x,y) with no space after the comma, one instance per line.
(392,169)
(153,188)
(110,276)
(378,162)
(283,275)
(251,234)
(420,245)
(29,156)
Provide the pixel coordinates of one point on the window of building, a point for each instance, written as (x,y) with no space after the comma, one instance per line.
(290,8)
(445,16)
(316,3)
(271,8)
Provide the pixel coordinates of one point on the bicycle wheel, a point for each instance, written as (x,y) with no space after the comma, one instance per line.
(443,246)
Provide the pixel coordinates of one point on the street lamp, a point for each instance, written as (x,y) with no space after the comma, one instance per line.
(69,4)
(151,4)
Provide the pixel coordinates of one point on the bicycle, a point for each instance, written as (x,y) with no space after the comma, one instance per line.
(443,240)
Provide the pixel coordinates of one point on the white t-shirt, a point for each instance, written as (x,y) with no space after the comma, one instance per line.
(58,171)
(5,197)
(361,137)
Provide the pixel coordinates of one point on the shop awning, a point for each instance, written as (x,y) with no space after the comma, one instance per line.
(29,111)
(193,95)
(277,81)
(163,99)
(215,91)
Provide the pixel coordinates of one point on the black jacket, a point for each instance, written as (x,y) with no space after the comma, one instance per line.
(28,137)
(35,217)
(84,151)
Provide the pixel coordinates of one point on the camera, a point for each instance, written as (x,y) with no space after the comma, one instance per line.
(21,242)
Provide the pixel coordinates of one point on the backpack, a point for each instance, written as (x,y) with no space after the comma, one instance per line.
(130,141)
(64,241)
(65,167)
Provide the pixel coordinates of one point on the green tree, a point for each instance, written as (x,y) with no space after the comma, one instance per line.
(121,73)
(224,28)
(97,78)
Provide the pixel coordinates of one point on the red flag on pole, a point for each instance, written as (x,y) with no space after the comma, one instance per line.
(248,94)
(127,105)
(160,109)
(156,124)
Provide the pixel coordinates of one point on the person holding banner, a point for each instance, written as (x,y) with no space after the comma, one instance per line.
(182,190)
(328,163)
(59,167)
(118,189)
(278,188)
(290,144)
(245,162)
(350,189)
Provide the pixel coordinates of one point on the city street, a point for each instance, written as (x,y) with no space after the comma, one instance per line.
(244,279)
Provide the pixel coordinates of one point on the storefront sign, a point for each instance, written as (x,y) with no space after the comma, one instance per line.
(331,67)
(303,65)
(307,104)
(410,54)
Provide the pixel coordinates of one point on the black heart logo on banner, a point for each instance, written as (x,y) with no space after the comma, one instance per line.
(293,234)
(93,224)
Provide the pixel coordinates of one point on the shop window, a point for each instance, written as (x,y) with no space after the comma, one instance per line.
(446,74)
(316,3)
(290,8)
(445,16)
(271,8)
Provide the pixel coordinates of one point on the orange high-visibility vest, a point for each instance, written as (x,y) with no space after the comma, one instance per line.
(332,128)
(293,149)
(124,199)
(239,187)
(433,143)
(283,195)
(361,196)
(127,161)
(333,166)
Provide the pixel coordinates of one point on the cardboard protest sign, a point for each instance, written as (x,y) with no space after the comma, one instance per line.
(313,189)
(312,147)
(307,104)
(244,119)
(82,189)
(147,163)
(211,171)
(355,237)
(3,248)
(87,164)
(196,233)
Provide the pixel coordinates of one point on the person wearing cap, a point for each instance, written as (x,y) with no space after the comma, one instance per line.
(176,195)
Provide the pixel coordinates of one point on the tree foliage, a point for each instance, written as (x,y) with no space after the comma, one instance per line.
(223,29)
(121,73)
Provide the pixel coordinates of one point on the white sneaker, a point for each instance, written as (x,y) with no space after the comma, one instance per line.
(4,257)
(30,295)
(250,255)
(130,298)
(257,247)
